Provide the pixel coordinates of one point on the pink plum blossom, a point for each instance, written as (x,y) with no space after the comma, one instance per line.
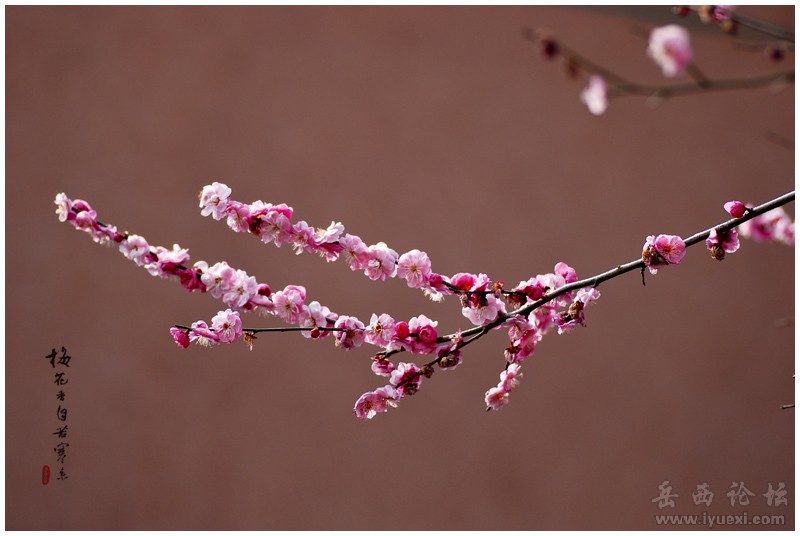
(381,262)
(720,243)
(302,237)
(167,260)
(355,251)
(670,48)
(180,337)
(574,316)
(382,367)
(737,209)
(352,335)
(509,378)
(136,249)
(190,280)
(498,397)
(227,325)
(380,330)
(533,288)
(415,267)
(662,250)
(314,315)
(524,335)
(240,289)
(406,378)
(238,216)
(218,278)
(289,302)
(479,306)
(64,207)
(329,235)
(275,226)
(327,241)
(202,335)
(595,95)
(422,335)
(567,272)
(463,281)
(671,248)
(721,13)
(377,401)
(773,225)
(214,200)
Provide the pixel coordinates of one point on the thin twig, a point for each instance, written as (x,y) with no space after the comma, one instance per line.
(621,86)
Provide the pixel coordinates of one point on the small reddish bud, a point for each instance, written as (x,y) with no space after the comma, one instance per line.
(401,330)
(315,333)
(681,11)
(775,53)
(548,48)
(737,209)
(264,290)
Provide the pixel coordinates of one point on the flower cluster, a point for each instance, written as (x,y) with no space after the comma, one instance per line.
(773,225)
(273,224)
(554,301)
(497,397)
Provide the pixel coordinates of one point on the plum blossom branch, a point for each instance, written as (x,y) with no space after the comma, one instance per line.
(555,300)
(669,47)
(729,19)
(638,264)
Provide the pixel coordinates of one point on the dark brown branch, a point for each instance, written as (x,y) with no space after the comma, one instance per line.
(620,86)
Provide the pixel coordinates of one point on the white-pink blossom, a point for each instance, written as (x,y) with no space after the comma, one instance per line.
(415,267)
(352,334)
(238,216)
(329,235)
(772,225)
(380,330)
(496,398)
(63,207)
(227,325)
(314,315)
(202,335)
(240,289)
(406,378)
(214,200)
(670,48)
(355,251)
(289,302)
(218,278)
(136,249)
(595,95)
(167,260)
(381,262)
(374,402)
(275,226)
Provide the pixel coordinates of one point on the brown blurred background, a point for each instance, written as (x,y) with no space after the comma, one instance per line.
(433,128)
